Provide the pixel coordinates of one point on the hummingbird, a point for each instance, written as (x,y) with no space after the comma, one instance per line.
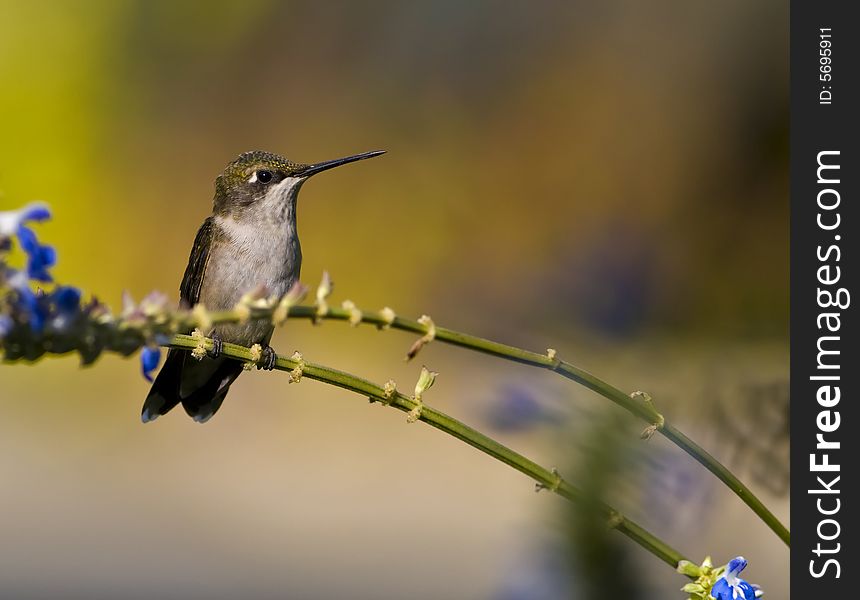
(248,242)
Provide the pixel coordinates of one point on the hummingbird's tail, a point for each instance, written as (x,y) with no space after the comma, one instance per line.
(164,394)
(205,401)
(204,386)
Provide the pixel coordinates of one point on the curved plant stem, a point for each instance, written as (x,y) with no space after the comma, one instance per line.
(545,478)
(638,405)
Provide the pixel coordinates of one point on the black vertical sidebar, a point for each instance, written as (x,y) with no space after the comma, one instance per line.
(825,370)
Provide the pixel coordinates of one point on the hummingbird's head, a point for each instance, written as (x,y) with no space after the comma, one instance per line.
(266,185)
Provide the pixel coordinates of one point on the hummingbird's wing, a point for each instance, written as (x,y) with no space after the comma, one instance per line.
(192,280)
(206,398)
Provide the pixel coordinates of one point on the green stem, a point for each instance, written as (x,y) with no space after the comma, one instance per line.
(717,468)
(548,479)
(642,409)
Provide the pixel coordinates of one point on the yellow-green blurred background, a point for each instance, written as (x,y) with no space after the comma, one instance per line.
(605,178)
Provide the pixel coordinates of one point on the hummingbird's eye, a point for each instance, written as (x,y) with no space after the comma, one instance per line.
(264,176)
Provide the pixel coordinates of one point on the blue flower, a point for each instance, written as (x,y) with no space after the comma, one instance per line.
(38,309)
(65,306)
(516,408)
(11,220)
(61,306)
(34,306)
(150,356)
(39,256)
(732,587)
(67,299)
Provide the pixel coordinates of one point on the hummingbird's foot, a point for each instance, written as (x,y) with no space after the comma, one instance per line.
(217,346)
(268,359)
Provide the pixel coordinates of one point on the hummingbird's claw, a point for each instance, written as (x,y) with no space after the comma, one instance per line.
(267,361)
(217,346)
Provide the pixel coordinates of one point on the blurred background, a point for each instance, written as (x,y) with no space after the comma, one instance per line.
(608,179)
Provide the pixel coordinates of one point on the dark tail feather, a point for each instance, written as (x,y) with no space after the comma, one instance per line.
(206,400)
(164,394)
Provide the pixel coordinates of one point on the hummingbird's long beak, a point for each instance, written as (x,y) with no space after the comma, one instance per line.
(309,170)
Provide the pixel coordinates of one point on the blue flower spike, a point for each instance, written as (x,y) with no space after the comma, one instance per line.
(732,587)
(150,356)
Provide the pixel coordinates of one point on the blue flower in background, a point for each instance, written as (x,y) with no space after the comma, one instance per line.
(65,306)
(67,299)
(517,408)
(12,220)
(33,308)
(150,356)
(40,257)
(26,302)
(732,587)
